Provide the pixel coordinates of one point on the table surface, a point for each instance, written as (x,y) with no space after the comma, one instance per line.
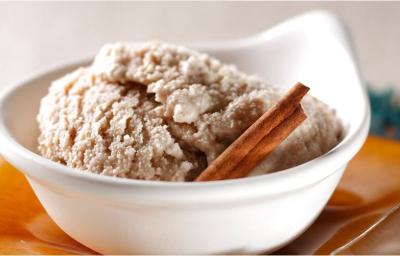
(361,217)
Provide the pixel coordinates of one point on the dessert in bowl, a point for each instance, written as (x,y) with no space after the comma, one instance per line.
(156,111)
(254,214)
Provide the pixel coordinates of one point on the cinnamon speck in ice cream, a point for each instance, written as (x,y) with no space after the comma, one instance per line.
(156,111)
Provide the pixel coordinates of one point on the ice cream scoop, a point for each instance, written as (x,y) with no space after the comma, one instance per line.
(157,111)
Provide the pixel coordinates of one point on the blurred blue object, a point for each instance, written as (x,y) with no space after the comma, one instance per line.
(385,113)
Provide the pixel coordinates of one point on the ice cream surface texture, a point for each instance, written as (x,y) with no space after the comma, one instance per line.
(156,111)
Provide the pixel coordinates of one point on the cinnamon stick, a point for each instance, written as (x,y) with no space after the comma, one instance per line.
(221,167)
(267,144)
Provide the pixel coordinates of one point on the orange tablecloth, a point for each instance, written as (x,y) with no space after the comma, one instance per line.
(360,218)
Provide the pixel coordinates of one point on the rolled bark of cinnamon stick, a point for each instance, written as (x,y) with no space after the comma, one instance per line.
(271,141)
(221,167)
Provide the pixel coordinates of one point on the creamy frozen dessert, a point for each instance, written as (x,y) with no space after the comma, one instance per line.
(157,111)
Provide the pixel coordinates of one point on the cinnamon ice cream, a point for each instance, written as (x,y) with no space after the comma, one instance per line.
(156,111)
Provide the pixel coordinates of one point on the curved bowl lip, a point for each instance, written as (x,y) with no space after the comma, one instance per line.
(306,173)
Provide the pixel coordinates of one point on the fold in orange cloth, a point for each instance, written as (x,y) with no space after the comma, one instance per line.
(362,217)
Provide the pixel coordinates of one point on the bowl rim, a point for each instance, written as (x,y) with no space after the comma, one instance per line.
(307,172)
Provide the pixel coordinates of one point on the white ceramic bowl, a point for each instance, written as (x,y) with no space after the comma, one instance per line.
(251,215)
